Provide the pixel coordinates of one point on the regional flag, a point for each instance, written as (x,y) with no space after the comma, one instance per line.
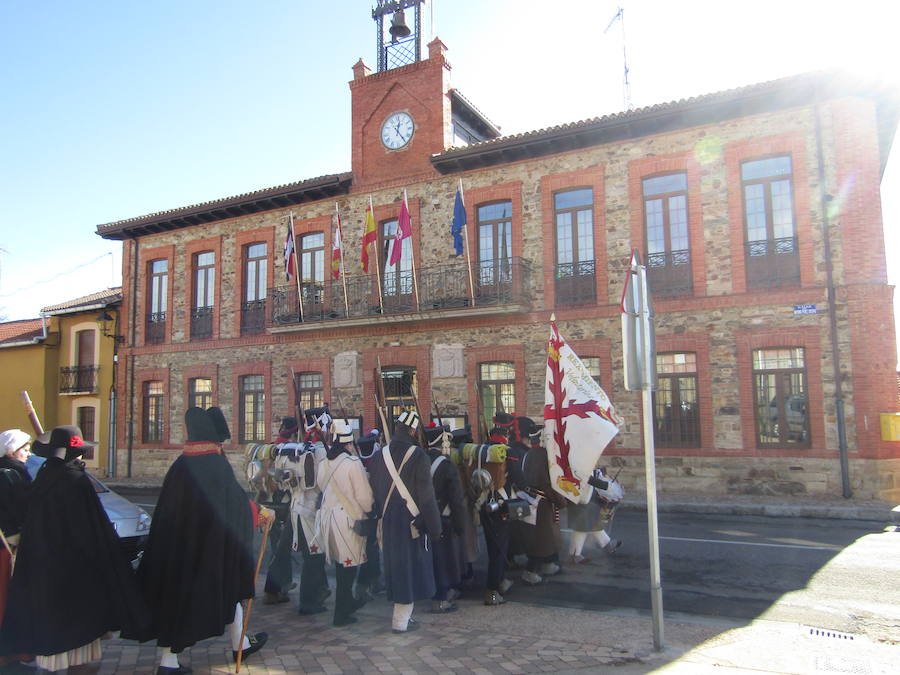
(459,221)
(370,236)
(289,255)
(404,232)
(337,251)
(579,420)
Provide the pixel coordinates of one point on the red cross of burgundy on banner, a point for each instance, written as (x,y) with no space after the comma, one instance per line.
(579,420)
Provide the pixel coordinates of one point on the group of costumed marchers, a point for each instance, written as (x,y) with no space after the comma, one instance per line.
(73,584)
(405,517)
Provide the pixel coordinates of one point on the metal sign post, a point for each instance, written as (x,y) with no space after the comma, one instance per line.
(639,351)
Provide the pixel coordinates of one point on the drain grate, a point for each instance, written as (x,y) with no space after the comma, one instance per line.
(824,633)
(842,664)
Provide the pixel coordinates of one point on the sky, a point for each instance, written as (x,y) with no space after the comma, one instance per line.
(112,110)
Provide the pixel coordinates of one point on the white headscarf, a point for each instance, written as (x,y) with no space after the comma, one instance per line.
(12,440)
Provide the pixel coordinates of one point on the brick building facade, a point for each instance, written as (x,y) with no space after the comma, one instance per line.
(757,211)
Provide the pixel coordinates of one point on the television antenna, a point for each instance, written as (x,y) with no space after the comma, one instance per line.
(626,85)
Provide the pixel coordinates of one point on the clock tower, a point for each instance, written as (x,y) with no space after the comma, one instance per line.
(402,114)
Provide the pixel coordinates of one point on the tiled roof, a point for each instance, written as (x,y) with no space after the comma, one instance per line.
(20,331)
(105,297)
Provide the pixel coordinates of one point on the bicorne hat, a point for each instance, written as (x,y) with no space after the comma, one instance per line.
(67,437)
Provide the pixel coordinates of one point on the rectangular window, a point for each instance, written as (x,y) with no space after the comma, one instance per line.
(82,376)
(252,414)
(310,390)
(494,252)
(200,392)
(666,231)
(312,271)
(676,409)
(575,270)
(158,293)
(771,253)
(204,295)
(780,398)
(153,412)
(592,363)
(85,419)
(397,279)
(253,308)
(497,383)
(399,386)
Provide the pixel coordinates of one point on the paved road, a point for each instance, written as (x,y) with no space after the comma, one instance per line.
(729,567)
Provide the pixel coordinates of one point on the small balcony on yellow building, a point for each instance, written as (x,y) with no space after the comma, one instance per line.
(78,379)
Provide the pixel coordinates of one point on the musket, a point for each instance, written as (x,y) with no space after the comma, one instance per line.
(32,415)
(481,411)
(437,410)
(422,438)
(380,401)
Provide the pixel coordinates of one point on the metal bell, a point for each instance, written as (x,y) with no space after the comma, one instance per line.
(398,28)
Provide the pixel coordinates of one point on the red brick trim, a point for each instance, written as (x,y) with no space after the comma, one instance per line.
(810,338)
(238,370)
(210,370)
(141,376)
(698,343)
(191,249)
(241,241)
(477,355)
(417,356)
(600,348)
(145,257)
(647,167)
(583,178)
(794,145)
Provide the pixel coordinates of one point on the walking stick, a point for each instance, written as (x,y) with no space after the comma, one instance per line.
(259,558)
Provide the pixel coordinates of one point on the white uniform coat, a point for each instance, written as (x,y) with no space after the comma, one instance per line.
(304,501)
(334,524)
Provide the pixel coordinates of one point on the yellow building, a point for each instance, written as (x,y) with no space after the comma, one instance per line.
(65,360)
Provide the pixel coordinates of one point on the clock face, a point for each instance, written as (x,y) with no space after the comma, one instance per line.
(397,130)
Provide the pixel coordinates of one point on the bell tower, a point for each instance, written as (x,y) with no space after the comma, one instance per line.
(401,115)
(400,44)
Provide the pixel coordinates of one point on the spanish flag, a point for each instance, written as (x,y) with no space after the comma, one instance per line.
(370,236)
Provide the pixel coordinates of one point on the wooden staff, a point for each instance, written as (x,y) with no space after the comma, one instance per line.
(32,415)
(262,550)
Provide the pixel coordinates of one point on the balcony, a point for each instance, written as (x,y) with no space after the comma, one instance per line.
(156,328)
(201,323)
(78,379)
(772,263)
(669,273)
(500,287)
(576,284)
(253,317)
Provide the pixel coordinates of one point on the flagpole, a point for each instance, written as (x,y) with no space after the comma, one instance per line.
(412,251)
(297,269)
(377,260)
(341,241)
(462,196)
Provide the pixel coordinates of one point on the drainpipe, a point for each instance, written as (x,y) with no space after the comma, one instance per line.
(825,201)
(129,360)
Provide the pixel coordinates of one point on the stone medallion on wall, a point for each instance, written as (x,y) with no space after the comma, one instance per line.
(346,369)
(447,361)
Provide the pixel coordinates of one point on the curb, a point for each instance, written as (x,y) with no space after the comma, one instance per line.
(824,511)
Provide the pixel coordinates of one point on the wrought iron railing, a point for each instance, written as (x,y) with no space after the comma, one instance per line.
(772,262)
(576,283)
(156,328)
(201,323)
(253,317)
(440,287)
(81,379)
(669,273)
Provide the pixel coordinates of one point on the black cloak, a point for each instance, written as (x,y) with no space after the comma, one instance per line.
(449,558)
(407,562)
(198,563)
(73,582)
